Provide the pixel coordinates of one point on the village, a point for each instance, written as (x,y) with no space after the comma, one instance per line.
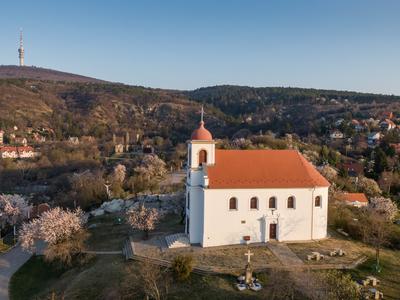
(199,150)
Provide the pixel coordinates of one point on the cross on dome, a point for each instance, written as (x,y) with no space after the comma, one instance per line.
(201,133)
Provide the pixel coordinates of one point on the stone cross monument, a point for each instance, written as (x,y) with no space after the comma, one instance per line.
(248,270)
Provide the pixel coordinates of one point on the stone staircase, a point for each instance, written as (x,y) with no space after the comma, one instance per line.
(177,240)
(128,249)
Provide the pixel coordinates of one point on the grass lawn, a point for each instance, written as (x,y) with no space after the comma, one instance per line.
(33,278)
(389,276)
(353,250)
(107,277)
(107,235)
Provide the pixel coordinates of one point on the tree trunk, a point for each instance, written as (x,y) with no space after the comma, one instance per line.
(377,252)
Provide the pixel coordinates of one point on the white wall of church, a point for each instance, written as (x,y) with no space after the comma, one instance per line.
(225,227)
(195,212)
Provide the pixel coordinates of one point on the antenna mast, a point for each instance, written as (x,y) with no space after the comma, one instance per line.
(21,51)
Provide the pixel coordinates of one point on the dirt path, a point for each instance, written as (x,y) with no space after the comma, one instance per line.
(10,262)
(286,256)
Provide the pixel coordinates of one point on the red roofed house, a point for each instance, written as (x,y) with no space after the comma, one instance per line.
(387,124)
(16,152)
(355,199)
(8,152)
(235,196)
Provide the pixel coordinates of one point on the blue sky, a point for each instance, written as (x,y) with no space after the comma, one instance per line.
(341,44)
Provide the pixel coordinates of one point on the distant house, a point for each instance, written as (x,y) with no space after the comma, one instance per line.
(358,127)
(386,115)
(148,149)
(353,168)
(38,138)
(17,152)
(74,140)
(339,122)
(354,199)
(374,138)
(21,141)
(387,124)
(26,152)
(336,135)
(37,210)
(8,152)
(88,139)
(119,148)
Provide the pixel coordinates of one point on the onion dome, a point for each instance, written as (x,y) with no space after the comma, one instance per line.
(201,133)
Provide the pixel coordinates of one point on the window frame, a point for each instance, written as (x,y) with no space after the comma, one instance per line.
(251,202)
(294,202)
(320,201)
(275,202)
(236,204)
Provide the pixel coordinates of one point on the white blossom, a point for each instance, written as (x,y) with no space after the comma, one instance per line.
(384,206)
(12,208)
(53,226)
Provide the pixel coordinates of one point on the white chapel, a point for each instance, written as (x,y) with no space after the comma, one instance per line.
(251,196)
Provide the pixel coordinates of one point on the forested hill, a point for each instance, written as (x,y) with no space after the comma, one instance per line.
(30,72)
(74,105)
(239,100)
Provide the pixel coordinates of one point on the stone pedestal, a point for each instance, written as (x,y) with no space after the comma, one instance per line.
(248,274)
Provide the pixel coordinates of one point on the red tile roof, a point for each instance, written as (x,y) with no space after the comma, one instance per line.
(263,169)
(8,149)
(12,148)
(352,197)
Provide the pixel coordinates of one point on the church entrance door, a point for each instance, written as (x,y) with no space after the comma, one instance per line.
(272,231)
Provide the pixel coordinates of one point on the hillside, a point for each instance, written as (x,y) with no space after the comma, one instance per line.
(72,107)
(42,74)
(99,109)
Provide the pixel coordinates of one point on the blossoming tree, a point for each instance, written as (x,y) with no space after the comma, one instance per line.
(143,218)
(62,231)
(12,208)
(384,206)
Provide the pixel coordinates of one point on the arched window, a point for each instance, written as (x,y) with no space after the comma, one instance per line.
(202,157)
(318,201)
(272,202)
(233,203)
(290,202)
(254,203)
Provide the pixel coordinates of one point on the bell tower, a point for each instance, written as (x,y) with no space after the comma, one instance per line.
(201,147)
(201,152)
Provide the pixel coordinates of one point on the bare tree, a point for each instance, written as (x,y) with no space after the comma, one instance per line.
(153,281)
(376,230)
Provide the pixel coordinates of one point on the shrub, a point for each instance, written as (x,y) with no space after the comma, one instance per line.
(182,266)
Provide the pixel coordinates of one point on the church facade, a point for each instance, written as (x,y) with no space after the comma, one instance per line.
(251,196)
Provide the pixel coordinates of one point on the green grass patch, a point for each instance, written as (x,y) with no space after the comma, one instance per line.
(389,275)
(33,278)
